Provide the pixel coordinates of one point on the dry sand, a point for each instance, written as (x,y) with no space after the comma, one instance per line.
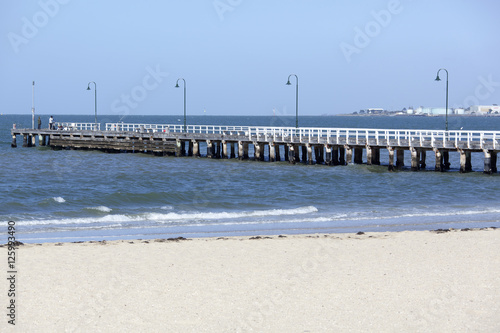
(375,282)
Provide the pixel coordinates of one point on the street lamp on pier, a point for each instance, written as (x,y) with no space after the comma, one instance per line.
(296,98)
(95,101)
(177,86)
(438,79)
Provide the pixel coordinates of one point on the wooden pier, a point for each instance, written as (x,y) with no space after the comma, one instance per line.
(329,146)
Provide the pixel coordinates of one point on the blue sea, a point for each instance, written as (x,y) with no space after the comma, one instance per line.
(76,195)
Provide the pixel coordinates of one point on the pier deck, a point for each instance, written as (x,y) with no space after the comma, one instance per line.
(331,146)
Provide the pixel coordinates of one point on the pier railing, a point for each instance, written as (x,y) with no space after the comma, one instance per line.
(338,136)
(77,126)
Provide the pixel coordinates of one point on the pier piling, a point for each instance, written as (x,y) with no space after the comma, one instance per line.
(209,149)
(348,155)
(391,158)
(309,149)
(272,152)
(196,148)
(414,159)
(328,155)
(487,162)
(439,161)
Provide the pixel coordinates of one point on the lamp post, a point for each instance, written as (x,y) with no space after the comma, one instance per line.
(33,106)
(177,86)
(438,79)
(95,100)
(296,98)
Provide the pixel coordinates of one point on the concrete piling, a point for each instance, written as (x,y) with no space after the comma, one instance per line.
(209,149)
(14,143)
(178,148)
(369,159)
(348,155)
(272,152)
(309,150)
(328,155)
(439,161)
(291,154)
(465,161)
(240,150)
(487,162)
(257,151)
(391,158)
(414,159)
(224,150)
(196,148)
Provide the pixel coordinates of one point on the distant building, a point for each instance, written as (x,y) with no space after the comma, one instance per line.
(375,110)
(485,109)
(433,111)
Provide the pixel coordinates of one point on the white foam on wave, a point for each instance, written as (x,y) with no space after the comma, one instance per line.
(59,199)
(171,217)
(101,209)
(118,218)
(167,207)
(228,215)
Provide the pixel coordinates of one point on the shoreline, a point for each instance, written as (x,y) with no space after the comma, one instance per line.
(250,236)
(432,281)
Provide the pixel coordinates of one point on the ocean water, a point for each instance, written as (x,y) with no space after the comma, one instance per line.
(74,195)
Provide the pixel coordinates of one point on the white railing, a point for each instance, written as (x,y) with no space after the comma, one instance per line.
(356,136)
(77,126)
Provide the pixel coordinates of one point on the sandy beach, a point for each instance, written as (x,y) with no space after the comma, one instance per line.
(423,281)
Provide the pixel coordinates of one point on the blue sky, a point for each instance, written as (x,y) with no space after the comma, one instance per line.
(236,55)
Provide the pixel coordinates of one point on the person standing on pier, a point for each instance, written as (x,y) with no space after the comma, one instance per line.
(51,122)
(39,122)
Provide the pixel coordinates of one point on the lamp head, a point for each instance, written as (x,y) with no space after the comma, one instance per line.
(288,83)
(177,85)
(88,87)
(437,78)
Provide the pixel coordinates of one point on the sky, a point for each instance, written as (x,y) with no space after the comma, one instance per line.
(236,55)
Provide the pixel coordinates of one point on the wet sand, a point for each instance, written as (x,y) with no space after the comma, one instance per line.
(418,281)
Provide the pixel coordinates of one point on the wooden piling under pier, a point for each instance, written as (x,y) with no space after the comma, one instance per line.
(299,145)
